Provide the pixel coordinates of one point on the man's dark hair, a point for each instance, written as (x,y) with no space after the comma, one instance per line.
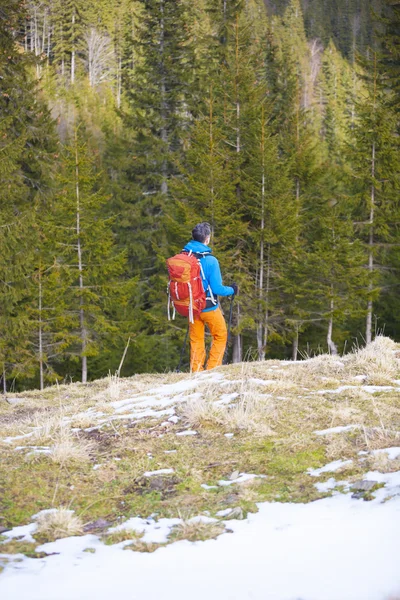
(201,232)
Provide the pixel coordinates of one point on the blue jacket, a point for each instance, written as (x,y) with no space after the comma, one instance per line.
(212,272)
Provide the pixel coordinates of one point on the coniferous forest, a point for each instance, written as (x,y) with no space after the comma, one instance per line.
(123,123)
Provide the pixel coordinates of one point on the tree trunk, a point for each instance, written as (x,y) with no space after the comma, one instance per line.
(331,344)
(237,342)
(295,345)
(40,332)
(261,328)
(4,380)
(119,82)
(164,131)
(211,135)
(73,49)
(368,333)
(83,330)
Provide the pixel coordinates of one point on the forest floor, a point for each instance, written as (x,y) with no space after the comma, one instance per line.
(269,481)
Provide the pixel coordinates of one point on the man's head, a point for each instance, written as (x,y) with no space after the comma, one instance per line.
(202,233)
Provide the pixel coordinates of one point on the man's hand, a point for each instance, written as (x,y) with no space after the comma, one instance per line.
(235,288)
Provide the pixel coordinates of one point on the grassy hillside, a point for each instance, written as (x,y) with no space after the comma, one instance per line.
(177,446)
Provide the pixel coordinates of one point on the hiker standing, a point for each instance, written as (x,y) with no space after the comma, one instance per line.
(201,305)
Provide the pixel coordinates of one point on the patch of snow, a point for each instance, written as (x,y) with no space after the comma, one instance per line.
(329,468)
(392,453)
(209,487)
(143,414)
(336,429)
(170,451)
(70,548)
(170,389)
(224,513)
(9,440)
(229,435)
(338,390)
(156,532)
(370,389)
(241,479)
(226,398)
(187,432)
(23,532)
(392,485)
(202,519)
(337,548)
(331,484)
(262,381)
(159,472)
(46,511)
(174,419)
(96,467)
(374,389)
(35,449)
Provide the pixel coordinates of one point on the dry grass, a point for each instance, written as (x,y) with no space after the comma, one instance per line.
(382,463)
(249,490)
(199,411)
(195,531)
(377,361)
(59,524)
(114,386)
(140,546)
(345,414)
(46,427)
(68,449)
(377,438)
(251,413)
(122,535)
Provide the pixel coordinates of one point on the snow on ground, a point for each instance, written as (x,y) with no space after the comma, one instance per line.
(155,403)
(153,531)
(336,429)
(331,467)
(158,472)
(370,389)
(392,453)
(338,548)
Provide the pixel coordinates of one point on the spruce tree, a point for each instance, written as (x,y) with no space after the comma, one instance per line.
(375,166)
(26,145)
(92,269)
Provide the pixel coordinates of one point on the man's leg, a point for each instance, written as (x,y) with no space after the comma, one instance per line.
(197,345)
(217,326)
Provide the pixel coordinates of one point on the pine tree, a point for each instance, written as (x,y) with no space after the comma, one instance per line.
(273,226)
(375,167)
(68,25)
(337,90)
(391,49)
(26,144)
(92,270)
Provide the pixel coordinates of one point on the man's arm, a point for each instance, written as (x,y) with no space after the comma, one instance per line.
(215,279)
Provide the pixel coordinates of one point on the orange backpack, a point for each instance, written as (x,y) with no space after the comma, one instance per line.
(185,287)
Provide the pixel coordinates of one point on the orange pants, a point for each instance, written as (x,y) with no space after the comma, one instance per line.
(217,326)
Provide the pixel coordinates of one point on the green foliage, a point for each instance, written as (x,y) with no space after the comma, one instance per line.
(264,124)
(92,270)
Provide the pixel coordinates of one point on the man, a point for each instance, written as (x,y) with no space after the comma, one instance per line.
(212,315)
